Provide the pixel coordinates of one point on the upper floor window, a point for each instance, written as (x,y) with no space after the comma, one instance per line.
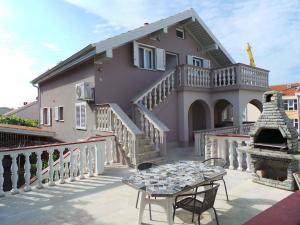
(290,104)
(80,115)
(198,61)
(146,57)
(59,113)
(180,33)
(45,116)
(296,123)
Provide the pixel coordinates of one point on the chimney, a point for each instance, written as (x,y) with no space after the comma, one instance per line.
(24,103)
(146,23)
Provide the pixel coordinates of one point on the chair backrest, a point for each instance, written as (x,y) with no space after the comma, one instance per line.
(210,197)
(215,162)
(146,165)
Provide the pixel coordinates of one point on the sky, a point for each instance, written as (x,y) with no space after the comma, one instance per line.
(36,35)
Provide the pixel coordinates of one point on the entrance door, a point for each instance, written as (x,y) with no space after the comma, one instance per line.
(171,60)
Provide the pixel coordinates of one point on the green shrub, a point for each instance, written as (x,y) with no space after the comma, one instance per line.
(18,121)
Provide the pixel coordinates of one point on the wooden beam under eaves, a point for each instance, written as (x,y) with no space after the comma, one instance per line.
(209,48)
(103,56)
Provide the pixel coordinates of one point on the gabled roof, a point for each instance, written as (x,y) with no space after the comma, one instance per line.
(286,89)
(14,111)
(194,24)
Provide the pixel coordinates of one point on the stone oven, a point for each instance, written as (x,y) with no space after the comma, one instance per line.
(274,145)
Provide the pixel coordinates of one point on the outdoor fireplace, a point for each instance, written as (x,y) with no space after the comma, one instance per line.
(274,145)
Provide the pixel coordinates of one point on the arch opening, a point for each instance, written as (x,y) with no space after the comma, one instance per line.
(223,112)
(252,111)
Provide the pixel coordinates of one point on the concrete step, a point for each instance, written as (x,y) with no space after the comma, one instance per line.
(157,160)
(146,148)
(148,155)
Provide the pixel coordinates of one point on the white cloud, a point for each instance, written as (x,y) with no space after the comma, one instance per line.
(51,47)
(271,27)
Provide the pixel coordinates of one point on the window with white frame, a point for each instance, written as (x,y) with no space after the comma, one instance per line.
(59,113)
(290,104)
(146,57)
(198,61)
(180,33)
(45,116)
(80,115)
(296,123)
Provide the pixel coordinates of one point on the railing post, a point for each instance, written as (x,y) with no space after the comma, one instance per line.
(39,167)
(51,172)
(81,163)
(239,156)
(14,174)
(99,157)
(90,158)
(27,172)
(163,143)
(1,176)
(230,143)
(72,165)
(61,166)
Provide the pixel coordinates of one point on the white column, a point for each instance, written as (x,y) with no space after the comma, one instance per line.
(61,166)
(212,148)
(90,162)
(248,161)
(27,172)
(51,170)
(231,152)
(239,156)
(81,163)
(1,177)
(39,169)
(72,165)
(14,174)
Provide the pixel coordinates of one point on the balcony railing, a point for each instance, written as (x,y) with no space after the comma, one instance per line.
(234,75)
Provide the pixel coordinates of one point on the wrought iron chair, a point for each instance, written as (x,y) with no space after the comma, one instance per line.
(192,204)
(218,162)
(144,166)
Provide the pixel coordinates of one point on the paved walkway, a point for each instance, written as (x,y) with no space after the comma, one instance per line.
(104,200)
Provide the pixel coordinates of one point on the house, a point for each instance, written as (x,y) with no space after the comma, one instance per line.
(290,96)
(27,111)
(151,86)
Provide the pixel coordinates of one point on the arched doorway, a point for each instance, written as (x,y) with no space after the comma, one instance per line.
(252,111)
(223,112)
(199,117)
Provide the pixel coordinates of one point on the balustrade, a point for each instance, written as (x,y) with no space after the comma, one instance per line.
(73,160)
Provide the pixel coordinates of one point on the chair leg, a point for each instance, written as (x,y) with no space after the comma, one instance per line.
(174,209)
(150,213)
(137,199)
(216,216)
(225,189)
(199,219)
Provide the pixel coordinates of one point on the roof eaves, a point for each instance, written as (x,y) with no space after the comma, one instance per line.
(19,109)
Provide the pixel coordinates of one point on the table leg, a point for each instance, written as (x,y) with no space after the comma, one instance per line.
(142,206)
(169,210)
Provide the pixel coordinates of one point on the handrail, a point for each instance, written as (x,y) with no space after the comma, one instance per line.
(150,88)
(152,118)
(132,128)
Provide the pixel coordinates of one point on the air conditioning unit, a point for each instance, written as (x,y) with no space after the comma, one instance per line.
(84,91)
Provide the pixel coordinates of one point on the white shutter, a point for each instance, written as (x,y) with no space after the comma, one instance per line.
(206,63)
(160,56)
(136,60)
(83,116)
(41,116)
(77,115)
(56,117)
(189,59)
(49,116)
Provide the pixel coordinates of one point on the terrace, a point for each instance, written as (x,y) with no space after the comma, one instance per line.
(104,199)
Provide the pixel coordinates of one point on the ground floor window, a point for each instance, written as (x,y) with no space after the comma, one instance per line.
(296,123)
(80,115)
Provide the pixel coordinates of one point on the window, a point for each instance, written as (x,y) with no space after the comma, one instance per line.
(290,104)
(198,61)
(59,113)
(146,58)
(180,33)
(80,115)
(45,116)
(296,123)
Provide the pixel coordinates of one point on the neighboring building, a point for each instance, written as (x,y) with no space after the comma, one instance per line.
(290,100)
(28,111)
(175,67)
(4,110)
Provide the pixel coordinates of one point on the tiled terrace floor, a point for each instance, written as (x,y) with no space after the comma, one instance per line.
(104,200)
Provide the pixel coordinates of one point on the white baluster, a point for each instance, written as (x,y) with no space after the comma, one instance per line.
(156,137)
(27,172)
(61,166)
(90,157)
(81,163)
(239,156)
(150,100)
(212,151)
(72,165)
(160,92)
(39,167)
(14,174)
(106,150)
(151,134)
(248,161)
(146,128)
(51,171)
(146,101)
(164,89)
(231,152)
(1,176)
(155,96)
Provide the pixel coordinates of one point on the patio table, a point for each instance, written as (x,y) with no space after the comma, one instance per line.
(169,180)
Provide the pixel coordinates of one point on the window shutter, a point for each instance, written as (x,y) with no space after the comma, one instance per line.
(206,63)
(77,115)
(83,116)
(189,59)
(41,116)
(49,115)
(136,60)
(160,56)
(56,117)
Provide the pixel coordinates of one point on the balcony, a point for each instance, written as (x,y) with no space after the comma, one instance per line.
(235,76)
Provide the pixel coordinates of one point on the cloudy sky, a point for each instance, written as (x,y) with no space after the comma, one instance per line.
(35,35)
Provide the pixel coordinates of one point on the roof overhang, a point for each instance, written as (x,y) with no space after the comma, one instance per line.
(102,50)
(14,129)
